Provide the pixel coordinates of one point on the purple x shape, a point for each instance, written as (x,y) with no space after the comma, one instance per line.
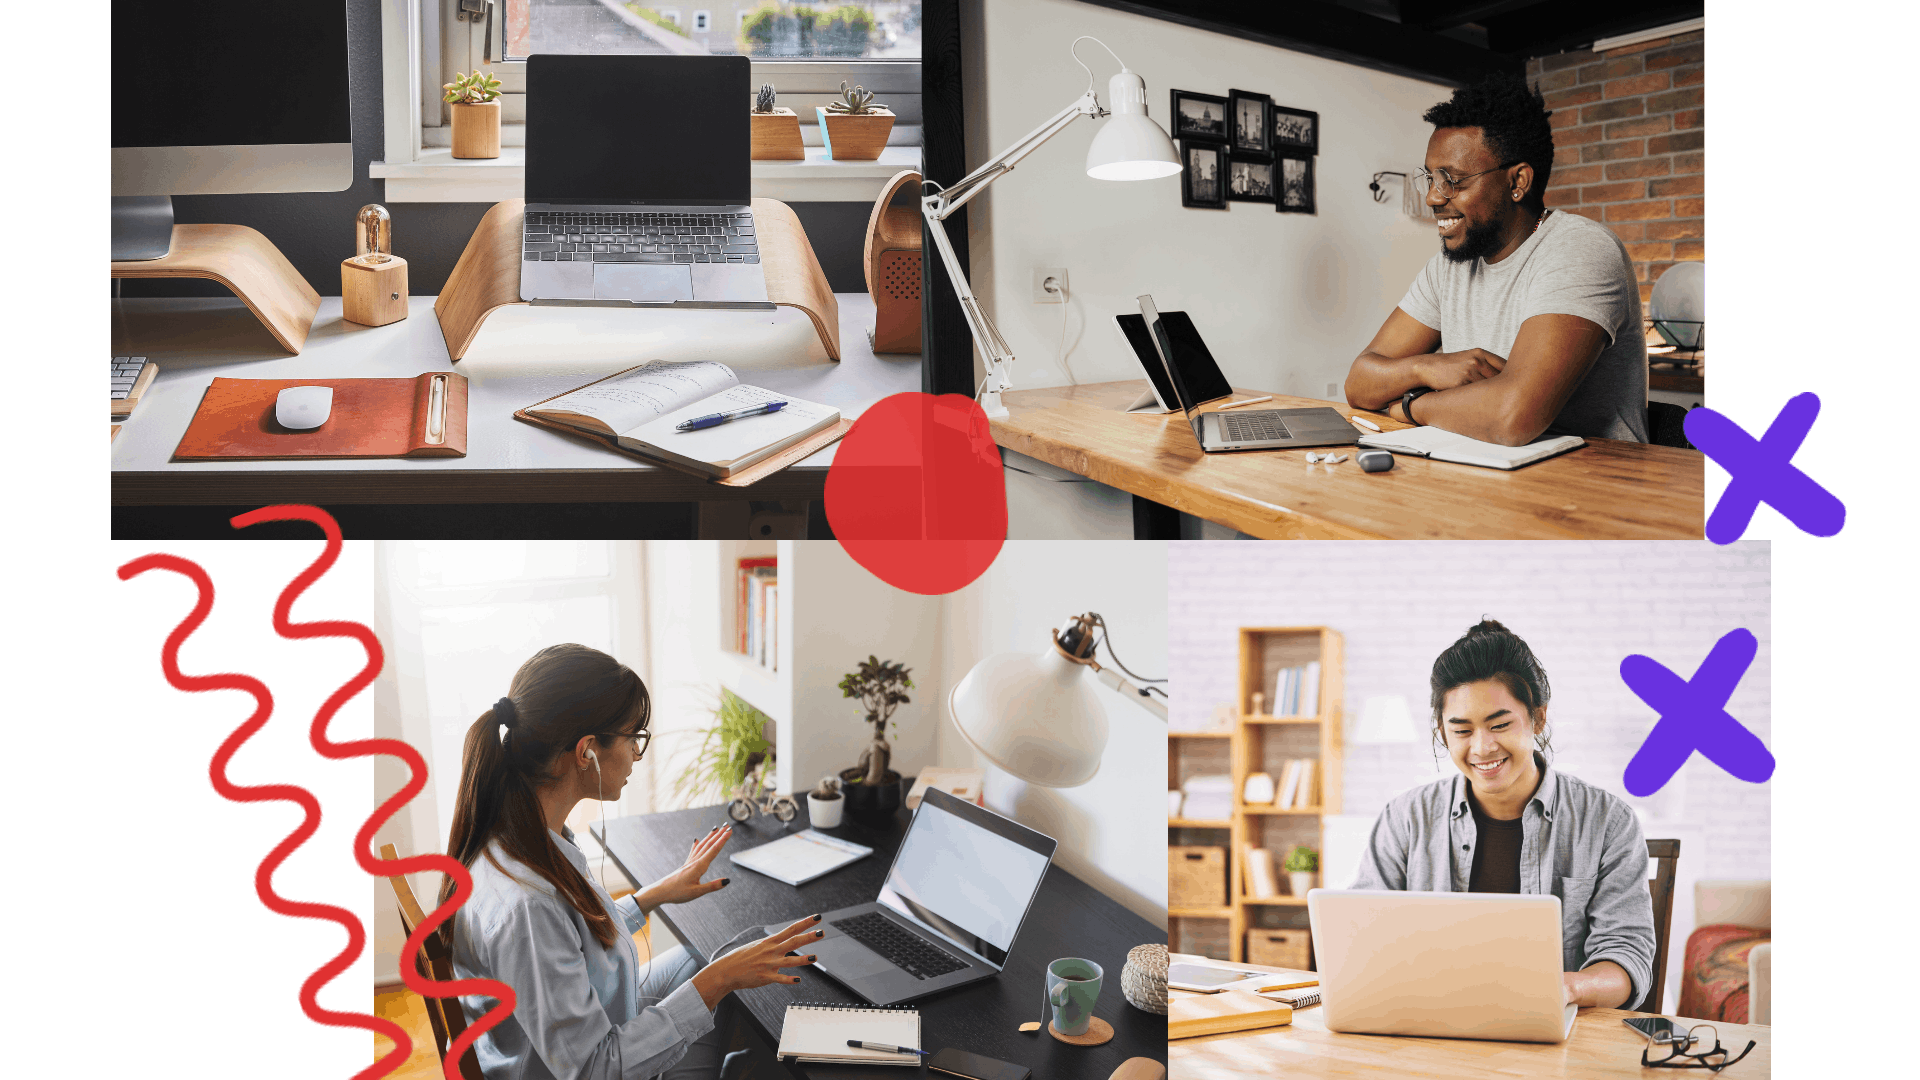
(1693,716)
(1762,469)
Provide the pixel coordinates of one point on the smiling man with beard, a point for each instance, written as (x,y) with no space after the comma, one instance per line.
(1527,323)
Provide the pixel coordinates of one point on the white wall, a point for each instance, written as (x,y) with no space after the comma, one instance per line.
(1285,301)
(1108,829)
(1580,606)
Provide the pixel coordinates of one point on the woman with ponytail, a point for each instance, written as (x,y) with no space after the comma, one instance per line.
(1510,823)
(571,727)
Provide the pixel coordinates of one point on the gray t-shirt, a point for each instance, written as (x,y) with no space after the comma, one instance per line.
(1571,266)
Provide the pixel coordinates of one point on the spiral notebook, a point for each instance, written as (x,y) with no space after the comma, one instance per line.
(820,1033)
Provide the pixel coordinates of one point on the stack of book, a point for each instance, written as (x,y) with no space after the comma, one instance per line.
(1260,881)
(757,612)
(1296,691)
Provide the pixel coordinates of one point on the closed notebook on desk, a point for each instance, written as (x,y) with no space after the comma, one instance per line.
(820,1033)
(425,416)
(1190,1015)
(1446,446)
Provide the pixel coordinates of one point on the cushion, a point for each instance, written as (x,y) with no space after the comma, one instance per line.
(1714,982)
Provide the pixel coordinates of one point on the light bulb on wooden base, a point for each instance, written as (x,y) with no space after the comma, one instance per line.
(373,283)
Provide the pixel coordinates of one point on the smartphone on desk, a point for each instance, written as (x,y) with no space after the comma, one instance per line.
(1658,1028)
(959,1063)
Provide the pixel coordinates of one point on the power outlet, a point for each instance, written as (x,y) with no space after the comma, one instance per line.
(1040,276)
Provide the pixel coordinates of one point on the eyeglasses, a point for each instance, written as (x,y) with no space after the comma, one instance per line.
(640,740)
(1423,180)
(1678,1057)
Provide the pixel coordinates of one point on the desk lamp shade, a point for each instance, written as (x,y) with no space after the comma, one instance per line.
(1034,716)
(1385,719)
(1130,146)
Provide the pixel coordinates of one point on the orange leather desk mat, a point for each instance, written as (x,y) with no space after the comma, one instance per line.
(370,418)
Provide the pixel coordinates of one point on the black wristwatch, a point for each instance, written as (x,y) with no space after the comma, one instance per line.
(1406,401)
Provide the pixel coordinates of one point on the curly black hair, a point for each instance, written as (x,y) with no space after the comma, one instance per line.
(1513,119)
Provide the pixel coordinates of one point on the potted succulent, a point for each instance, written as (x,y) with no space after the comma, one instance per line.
(854,128)
(776,129)
(1301,863)
(872,788)
(824,803)
(476,114)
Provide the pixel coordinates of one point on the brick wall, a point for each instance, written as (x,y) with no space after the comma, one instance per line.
(1629,145)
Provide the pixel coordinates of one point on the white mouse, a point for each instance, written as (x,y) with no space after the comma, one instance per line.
(303,408)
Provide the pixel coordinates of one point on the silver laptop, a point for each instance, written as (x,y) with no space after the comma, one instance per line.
(956,894)
(1455,965)
(1185,359)
(638,183)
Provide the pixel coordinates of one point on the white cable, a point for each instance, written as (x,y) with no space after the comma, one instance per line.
(600,788)
(1073,50)
(1060,350)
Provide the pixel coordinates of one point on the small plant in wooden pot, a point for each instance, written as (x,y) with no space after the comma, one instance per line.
(855,128)
(824,804)
(1301,863)
(476,114)
(776,129)
(872,788)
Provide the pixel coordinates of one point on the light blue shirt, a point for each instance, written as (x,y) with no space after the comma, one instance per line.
(579,1012)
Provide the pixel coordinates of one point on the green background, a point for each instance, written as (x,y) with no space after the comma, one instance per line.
(143,950)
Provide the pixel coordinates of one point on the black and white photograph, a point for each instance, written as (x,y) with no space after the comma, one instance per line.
(1296,186)
(1248,113)
(1201,182)
(1199,116)
(1295,131)
(1250,179)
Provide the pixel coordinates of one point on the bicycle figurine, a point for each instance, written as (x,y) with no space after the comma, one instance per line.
(753,796)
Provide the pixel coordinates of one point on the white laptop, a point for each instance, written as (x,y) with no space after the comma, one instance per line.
(1454,965)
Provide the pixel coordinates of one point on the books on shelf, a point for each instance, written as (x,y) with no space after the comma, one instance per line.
(1296,690)
(1299,785)
(1260,881)
(757,612)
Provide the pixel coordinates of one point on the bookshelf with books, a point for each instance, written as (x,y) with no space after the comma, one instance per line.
(1199,925)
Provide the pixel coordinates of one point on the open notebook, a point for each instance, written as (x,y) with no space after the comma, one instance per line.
(1446,446)
(640,407)
(820,1033)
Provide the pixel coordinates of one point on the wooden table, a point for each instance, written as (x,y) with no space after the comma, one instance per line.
(1600,1046)
(1607,490)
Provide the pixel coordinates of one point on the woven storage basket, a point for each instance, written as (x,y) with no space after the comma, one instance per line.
(1144,980)
(1278,948)
(1197,876)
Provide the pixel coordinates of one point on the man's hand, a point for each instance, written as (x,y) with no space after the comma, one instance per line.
(1568,987)
(1444,371)
(684,884)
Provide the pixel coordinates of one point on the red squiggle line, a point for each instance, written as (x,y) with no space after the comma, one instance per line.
(363,840)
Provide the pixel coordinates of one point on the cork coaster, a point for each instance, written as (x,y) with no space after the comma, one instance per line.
(1098,1033)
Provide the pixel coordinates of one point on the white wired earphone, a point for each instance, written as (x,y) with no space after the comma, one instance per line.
(600,788)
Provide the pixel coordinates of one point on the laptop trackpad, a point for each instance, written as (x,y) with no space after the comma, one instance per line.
(643,283)
(848,959)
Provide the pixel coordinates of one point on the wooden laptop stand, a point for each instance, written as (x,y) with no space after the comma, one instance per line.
(245,262)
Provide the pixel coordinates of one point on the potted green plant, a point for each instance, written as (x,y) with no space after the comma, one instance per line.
(476,114)
(732,749)
(855,128)
(776,129)
(872,788)
(824,803)
(1301,863)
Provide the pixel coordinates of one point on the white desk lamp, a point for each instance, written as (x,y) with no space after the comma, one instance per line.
(1035,717)
(1385,719)
(1129,147)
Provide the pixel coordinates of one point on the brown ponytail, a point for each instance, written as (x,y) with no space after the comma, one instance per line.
(560,694)
(1489,650)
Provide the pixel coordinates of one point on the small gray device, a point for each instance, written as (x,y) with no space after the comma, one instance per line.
(1375,460)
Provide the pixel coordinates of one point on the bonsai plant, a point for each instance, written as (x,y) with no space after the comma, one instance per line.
(855,127)
(732,749)
(1301,863)
(775,131)
(476,114)
(873,789)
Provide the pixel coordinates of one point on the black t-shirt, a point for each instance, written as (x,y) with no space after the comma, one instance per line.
(1496,852)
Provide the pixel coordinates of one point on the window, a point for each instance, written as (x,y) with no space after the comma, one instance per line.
(701,20)
(671,15)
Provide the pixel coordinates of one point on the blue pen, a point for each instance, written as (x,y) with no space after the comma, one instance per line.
(886,1048)
(712,419)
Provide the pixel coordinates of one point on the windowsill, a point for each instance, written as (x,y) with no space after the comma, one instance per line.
(437,176)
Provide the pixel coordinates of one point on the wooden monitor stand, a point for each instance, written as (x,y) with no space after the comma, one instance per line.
(245,262)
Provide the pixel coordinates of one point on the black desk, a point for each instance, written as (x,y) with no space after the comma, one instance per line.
(1070,918)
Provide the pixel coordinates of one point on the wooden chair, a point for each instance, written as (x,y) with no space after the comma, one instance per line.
(892,262)
(435,961)
(1665,855)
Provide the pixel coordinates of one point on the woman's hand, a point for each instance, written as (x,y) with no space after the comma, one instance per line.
(684,884)
(759,964)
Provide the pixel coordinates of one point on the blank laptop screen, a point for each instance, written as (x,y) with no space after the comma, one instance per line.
(670,130)
(969,873)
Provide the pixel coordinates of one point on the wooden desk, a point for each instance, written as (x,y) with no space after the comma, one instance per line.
(1607,490)
(1600,1047)
(1069,918)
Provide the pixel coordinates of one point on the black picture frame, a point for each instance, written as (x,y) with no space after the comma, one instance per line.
(1295,132)
(1195,190)
(1250,133)
(1293,185)
(1186,126)
(1250,178)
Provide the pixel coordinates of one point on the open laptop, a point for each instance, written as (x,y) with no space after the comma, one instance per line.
(955,896)
(1455,965)
(638,183)
(1189,367)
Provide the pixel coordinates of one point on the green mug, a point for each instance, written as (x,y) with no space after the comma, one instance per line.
(1073,985)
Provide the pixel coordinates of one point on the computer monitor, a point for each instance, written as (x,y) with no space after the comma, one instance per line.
(223,97)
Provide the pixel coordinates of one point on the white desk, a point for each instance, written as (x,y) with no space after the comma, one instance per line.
(523,355)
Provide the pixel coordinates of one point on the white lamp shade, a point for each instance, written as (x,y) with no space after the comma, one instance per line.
(1035,717)
(1385,719)
(1129,145)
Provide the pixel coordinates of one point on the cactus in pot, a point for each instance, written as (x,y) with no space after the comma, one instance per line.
(855,127)
(763,101)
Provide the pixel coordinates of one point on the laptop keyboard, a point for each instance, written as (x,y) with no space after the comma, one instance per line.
(907,951)
(1254,427)
(555,236)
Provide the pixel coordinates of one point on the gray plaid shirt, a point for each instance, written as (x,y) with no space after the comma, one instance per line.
(1579,843)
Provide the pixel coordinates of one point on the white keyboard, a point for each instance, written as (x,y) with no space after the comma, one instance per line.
(126,369)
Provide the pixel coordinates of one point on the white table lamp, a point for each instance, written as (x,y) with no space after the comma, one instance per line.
(1035,716)
(1385,719)
(1129,147)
